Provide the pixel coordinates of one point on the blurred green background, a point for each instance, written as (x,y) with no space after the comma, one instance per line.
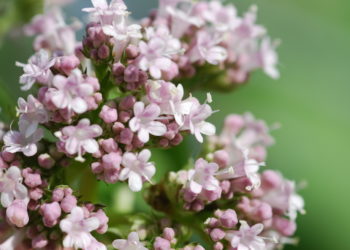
(311,101)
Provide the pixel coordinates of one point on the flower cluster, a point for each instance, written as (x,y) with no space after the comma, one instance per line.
(189,36)
(104,103)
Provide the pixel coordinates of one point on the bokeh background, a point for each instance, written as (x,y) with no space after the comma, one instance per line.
(311,101)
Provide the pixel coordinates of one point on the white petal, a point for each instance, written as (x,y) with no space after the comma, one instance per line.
(135,182)
(90,146)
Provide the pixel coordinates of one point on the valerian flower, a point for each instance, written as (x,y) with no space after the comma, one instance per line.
(32,113)
(247,237)
(132,243)
(11,186)
(71,93)
(78,228)
(80,138)
(203,177)
(37,70)
(136,169)
(144,122)
(17,141)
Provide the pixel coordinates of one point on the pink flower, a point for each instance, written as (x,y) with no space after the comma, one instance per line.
(80,138)
(132,243)
(144,121)
(167,96)
(222,17)
(78,228)
(53,33)
(37,69)
(283,197)
(32,112)
(240,165)
(207,48)
(182,18)
(247,237)
(136,168)
(11,186)
(268,58)
(107,13)
(154,57)
(72,92)
(17,141)
(195,117)
(203,177)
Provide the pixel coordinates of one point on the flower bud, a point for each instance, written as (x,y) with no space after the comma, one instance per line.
(17,213)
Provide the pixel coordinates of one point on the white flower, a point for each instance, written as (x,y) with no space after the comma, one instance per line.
(116,11)
(78,229)
(11,186)
(136,168)
(207,48)
(195,117)
(17,141)
(203,177)
(144,122)
(132,243)
(32,112)
(247,237)
(71,92)
(80,138)
(37,69)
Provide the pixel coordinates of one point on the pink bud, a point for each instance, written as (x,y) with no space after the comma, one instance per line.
(229,218)
(127,102)
(36,193)
(108,114)
(109,145)
(46,161)
(217,234)
(218,246)
(222,158)
(233,123)
(51,212)
(118,69)
(31,179)
(17,213)
(168,233)
(58,194)
(126,136)
(284,226)
(264,212)
(68,203)
(39,241)
(131,51)
(67,63)
(161,244)
(7,156)
(270,179)
(103,52)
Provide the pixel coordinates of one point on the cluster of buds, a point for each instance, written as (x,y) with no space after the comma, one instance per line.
(105,102)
